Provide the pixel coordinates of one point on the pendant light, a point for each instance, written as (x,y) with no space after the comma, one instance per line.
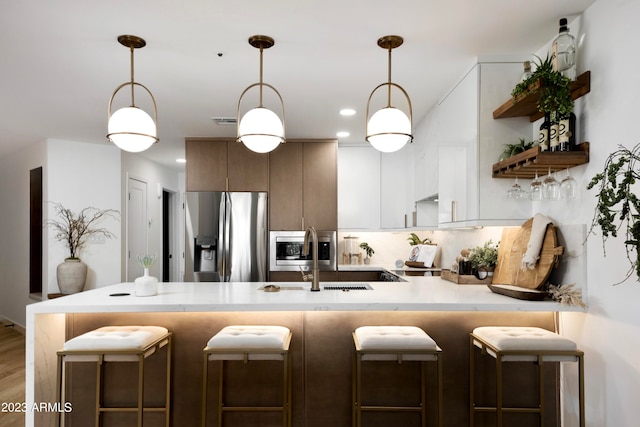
(131,128)
(260,129)
(389,128)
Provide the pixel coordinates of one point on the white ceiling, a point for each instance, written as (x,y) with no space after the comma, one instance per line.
(61,60)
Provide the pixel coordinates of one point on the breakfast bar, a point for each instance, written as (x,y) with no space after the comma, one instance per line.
(321,347)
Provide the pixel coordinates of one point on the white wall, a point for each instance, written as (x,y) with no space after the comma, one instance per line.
(610,331)
(80,175)
(157,177)
(14,229)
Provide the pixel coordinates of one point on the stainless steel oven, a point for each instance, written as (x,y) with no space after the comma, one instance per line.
(285,251)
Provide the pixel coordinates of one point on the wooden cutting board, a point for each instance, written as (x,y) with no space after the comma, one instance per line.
(513,246)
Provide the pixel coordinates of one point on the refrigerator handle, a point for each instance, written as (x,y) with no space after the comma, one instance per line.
(226,263)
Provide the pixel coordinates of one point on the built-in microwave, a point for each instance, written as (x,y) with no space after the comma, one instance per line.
(286,254)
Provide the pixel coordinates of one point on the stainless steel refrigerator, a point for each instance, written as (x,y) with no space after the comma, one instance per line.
(226,237)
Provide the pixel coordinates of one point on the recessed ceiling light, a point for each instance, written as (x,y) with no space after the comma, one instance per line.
(342,134)
(347,112)
(181,160)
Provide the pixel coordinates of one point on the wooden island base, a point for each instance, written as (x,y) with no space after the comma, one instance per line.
(322,351)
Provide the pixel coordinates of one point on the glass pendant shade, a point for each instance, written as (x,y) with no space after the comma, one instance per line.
(261,130)
(389,129)
(132,129)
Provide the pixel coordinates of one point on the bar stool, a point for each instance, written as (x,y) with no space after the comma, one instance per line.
(117,344)
(246,343)
(522,344)
(401,344)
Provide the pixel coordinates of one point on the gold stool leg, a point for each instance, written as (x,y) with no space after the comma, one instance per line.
(59,393)
(541,389)
(581,388)
(205,375)
(220,388)
(499,389)
(140,388)
(423,393)
(168,394)
(99,368)
(440,392)
(472,403)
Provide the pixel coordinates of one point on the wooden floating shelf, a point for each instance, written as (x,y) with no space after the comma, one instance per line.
(526,104)
(527,163)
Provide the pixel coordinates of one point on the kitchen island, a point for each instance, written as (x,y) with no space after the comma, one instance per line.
(321,323)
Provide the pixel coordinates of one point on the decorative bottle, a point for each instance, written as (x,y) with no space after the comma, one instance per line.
(564,52)
(543,135)
(567,133)
(527,71)
(554,144)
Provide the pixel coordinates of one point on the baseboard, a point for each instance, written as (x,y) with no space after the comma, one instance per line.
(7,323)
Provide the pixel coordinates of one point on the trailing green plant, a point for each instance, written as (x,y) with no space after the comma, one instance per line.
(486,255)
(75,230)
(415,240)
(513,149)
(554,91)
(618,206)
(367,249)
(146,260)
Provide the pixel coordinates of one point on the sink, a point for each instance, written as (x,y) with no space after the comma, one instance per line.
(350,286)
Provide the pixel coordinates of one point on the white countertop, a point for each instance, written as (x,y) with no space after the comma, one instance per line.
(419,293)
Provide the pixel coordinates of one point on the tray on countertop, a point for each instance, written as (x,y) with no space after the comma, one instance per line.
(464,279)
(519,292)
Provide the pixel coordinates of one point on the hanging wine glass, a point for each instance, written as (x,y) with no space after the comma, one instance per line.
(550,187)
(516,191)
(535,189)
(568,187)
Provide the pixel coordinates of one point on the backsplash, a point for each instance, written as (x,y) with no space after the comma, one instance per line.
(390,246)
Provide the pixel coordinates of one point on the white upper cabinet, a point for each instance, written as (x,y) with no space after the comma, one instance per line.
(470,141)
(358,187)
(374,189)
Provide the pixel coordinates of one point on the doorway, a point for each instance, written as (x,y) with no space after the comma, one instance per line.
(137,227)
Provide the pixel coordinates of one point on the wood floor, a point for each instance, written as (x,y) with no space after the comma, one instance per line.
(12,361)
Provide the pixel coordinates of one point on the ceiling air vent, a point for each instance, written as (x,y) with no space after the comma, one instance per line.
(225,120)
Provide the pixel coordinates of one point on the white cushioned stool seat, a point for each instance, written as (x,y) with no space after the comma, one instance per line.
(247,343)
(379,339)
(118,344)
(523,338)
(232,342)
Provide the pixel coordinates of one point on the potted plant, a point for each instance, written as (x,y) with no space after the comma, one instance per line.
(368,252)
(415,240)
(554,89)
(513,149)
(618,205)
(146,285)
(74,231)
(485,256)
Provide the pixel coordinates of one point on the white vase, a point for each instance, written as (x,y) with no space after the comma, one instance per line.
(146,286)
(71,276)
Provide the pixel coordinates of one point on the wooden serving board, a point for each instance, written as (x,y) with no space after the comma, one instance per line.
(513,246)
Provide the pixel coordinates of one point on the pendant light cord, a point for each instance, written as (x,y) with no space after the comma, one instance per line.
(133,104)
(260,76)
(389,85)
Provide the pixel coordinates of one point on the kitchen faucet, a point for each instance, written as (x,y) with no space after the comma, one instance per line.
(315,272)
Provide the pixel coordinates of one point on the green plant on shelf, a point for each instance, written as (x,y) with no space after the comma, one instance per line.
(555,89)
